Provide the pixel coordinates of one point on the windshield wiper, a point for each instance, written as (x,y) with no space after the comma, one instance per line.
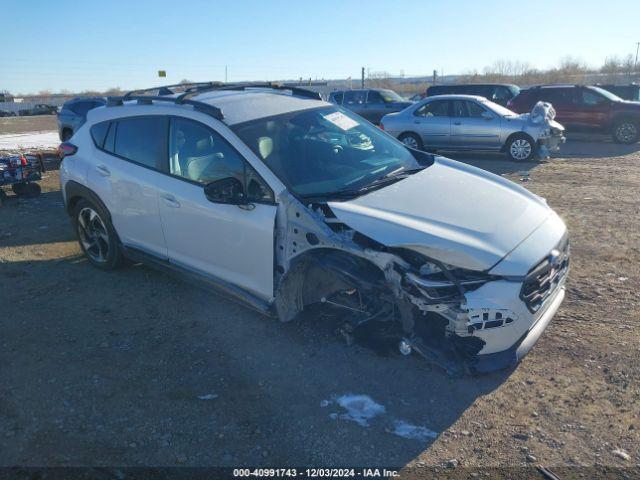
(383,181)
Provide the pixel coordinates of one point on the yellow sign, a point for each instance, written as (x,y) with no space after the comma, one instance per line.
(162,73)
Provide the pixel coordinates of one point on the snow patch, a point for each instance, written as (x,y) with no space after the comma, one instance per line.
(29,141)
(359,409)
(412,432)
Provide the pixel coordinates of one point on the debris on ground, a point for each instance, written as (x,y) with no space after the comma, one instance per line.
(413,432)
(620,453)
(208,396)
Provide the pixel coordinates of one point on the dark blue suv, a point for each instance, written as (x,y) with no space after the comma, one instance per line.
(74,113)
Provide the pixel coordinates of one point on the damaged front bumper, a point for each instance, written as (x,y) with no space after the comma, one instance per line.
(510,357)
(549,144)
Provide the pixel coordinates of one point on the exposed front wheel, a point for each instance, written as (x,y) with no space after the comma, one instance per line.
(520,148)
(96,236)
(411,140)
(626,131)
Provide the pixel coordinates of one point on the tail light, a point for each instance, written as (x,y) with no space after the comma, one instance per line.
(23,160)
(381,126)
(66,149)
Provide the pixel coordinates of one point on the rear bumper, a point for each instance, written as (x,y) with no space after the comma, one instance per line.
(510,357)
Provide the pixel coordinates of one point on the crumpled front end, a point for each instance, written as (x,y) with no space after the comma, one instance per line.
(459,318)
(540,124)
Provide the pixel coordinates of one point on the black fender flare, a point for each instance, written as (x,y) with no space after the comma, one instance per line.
(74,191)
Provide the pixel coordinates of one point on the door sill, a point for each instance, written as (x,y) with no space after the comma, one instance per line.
(229,290)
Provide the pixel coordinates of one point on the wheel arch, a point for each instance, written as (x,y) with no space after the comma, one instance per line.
(620,116)
(75,191)
(519,133)
(315,273)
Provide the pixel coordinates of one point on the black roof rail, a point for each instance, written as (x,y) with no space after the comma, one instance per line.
(165,94)
(168,89)
(212,110)
(300,92)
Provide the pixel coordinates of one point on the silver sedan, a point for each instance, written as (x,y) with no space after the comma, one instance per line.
(469,122)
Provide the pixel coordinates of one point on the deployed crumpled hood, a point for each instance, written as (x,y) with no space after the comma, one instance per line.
(452,212)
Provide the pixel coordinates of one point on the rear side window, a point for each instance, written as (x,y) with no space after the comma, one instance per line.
(557,96)
(141,140)
(82,107)
(99,133)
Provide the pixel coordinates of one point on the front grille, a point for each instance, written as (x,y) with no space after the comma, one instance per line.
(543,279)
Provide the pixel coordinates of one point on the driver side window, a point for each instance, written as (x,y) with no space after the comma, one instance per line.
(590,98)
(199,154)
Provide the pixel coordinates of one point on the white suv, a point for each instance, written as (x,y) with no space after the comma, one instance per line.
(285,201)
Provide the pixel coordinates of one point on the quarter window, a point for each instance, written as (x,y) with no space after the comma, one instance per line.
(99,132)
(141,140)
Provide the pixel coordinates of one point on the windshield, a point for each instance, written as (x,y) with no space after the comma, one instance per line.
(324,151)
(607,94)
(390,96)
(499,109)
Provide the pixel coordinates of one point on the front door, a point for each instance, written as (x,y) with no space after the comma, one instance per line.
(474,127)
(229,242)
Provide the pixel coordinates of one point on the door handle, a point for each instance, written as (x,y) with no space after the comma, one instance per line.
(102,170)
(170,201)
(457,123)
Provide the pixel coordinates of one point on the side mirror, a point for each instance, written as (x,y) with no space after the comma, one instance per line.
(226,190)
(487,116)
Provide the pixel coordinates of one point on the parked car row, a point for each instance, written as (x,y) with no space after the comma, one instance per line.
(39,109)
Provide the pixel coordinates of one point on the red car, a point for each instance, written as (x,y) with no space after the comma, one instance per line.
(582,107)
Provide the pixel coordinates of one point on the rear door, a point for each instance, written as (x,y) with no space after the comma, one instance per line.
(375,107)
(433,123)
(473,126)
(125,175)
(231,243)
(563,100)
(593,109)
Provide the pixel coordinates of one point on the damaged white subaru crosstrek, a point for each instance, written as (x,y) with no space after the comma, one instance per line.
(285,202)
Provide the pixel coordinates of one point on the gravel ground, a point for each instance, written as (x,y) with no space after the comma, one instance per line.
(137,368)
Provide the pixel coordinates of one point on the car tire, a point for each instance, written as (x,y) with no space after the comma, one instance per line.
(411,140)
(626,131)
(66,134)
(520,148)
(96,235)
